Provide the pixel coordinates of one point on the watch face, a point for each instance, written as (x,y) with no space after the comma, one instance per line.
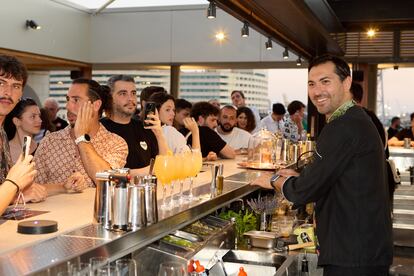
(87,137)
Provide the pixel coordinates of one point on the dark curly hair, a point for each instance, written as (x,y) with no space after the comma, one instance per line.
(97,92)
(11,67)
(251,121)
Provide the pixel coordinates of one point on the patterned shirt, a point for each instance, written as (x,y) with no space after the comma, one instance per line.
(58,157)
(290,130)
(5,157)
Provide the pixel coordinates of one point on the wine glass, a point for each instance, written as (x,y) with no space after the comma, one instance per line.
(96,262)
(126,267)
(196,162)
(162,171)
(172,269)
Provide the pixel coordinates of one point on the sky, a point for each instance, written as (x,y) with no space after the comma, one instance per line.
(398,85)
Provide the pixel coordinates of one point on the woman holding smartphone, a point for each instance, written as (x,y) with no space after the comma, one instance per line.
(23,120)
(165,105)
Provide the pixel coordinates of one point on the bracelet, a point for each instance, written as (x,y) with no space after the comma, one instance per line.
(14,183)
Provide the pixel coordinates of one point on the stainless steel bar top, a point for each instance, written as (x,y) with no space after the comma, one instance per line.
(78,237)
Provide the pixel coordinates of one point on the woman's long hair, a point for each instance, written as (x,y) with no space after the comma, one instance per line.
(17,112)
(251,122)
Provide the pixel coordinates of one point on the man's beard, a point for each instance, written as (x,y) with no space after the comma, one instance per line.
(124,112)
(225,129)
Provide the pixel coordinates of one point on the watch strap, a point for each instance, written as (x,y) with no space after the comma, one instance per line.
(82,138)
(273,180)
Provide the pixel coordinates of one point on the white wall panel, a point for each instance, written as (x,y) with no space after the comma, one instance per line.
(65,31)
(131,37)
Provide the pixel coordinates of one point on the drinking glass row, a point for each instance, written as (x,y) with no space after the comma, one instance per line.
(176,168)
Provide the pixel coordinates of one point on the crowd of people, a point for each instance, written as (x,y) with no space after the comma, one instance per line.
(106,130)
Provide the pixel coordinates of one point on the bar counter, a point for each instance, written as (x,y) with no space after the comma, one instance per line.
(26,254)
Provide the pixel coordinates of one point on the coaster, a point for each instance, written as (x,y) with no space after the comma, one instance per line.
(37,227)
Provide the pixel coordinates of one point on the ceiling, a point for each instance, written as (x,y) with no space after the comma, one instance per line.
(312,27)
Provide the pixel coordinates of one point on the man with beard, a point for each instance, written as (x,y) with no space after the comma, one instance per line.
(212,146)
(143,143)
(346,180)
(235,137)
(68,160)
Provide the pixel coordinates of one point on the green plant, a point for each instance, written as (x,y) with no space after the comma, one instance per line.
(245,221)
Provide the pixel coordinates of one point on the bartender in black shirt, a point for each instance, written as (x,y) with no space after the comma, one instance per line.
(347,179)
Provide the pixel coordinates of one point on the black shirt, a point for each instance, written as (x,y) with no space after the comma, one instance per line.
(142,144)
(347,180)
(405,133)
(209,140)
(391,132)
(59,124)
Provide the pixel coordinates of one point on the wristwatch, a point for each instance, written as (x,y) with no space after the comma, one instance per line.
(273,180)
(83,138)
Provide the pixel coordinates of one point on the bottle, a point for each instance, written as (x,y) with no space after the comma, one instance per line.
(200,269)
(304,267)
(242,272)
(190,267)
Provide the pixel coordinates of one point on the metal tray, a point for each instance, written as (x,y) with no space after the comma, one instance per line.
(262,239)
(187,236)
(174,245)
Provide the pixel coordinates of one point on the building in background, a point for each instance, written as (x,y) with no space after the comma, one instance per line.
(195,85)
(203,85)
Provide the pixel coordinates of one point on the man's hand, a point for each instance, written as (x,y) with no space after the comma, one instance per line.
(23,172)
(84,120)
(211,156)
(35,193)
(287,172)
(190,124)
(76,182)
(263,180)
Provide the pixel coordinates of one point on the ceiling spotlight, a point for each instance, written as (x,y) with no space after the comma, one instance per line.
(30,24)
(245,29)
(299,61)
(268,44)
(220,36)
(371,32)
(286,53)
(211,11)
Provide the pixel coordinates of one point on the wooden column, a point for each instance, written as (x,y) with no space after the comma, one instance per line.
(175,81)
(369,85)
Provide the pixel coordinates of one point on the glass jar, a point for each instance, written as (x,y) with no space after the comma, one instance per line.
(262,149)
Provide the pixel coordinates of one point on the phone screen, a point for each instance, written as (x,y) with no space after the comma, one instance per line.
(27,140)
(149,109)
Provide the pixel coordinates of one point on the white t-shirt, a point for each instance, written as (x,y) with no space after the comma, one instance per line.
(175,140)
(238,138)
(270,124)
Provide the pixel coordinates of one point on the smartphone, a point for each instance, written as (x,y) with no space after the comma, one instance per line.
(27,140)
(149,109)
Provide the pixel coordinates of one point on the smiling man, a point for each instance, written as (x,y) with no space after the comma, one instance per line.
(68,160)
(143,143)
(347,179)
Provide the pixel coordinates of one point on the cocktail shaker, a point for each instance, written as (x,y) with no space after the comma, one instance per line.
(120,202)
(136,207)
(150,198)
(103,199)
